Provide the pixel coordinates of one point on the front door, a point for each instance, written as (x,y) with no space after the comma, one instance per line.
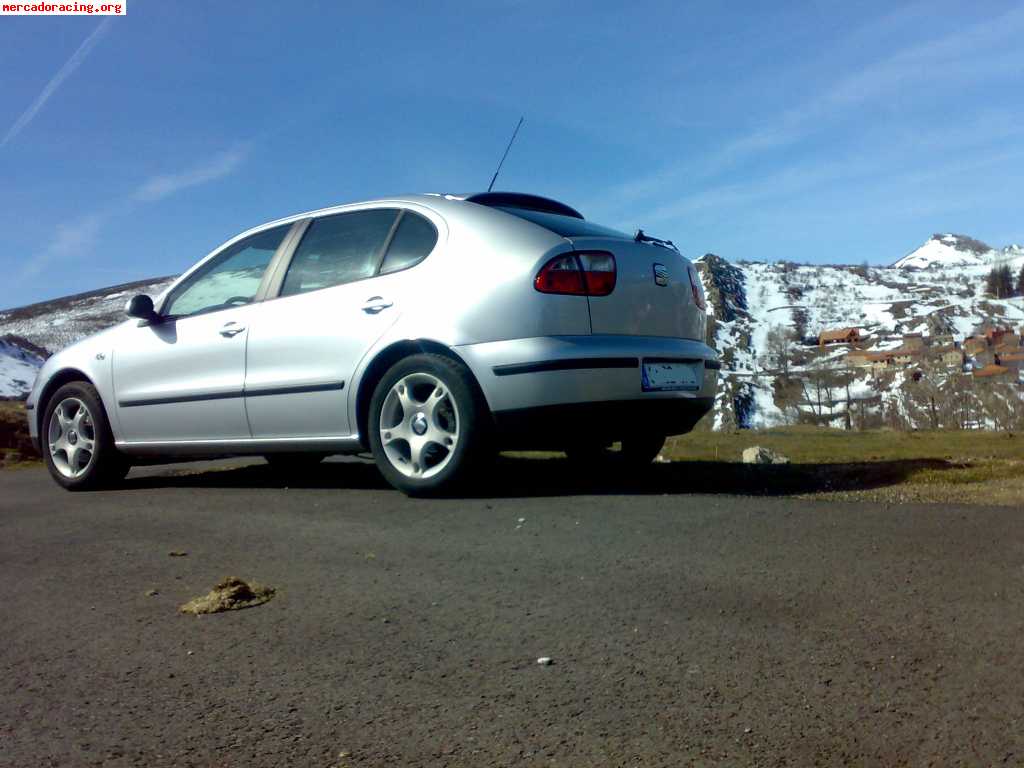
(182,379)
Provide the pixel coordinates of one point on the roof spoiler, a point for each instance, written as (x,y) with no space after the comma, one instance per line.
(526,202)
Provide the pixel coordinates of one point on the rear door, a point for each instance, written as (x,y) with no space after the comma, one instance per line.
(342,290)
(652,295)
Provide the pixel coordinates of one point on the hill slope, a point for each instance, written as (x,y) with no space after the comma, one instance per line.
(938,290)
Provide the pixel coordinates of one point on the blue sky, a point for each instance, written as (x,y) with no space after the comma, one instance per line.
(811,131)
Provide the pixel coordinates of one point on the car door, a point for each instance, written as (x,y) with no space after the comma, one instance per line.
(341,291)
(182,378)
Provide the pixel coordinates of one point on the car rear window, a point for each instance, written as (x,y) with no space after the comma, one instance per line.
(565,226)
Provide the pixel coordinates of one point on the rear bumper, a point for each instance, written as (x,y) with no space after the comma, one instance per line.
(523,378)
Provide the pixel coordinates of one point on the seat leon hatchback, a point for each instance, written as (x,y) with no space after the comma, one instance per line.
(428,330)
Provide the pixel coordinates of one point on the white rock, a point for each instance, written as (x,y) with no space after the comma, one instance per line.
(758,455)
(545,661)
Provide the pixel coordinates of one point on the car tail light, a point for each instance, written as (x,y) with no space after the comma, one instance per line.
(598,272)
(580,273)
(696,287)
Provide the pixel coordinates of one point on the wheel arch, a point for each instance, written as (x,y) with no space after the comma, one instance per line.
(380,364)
(58,380)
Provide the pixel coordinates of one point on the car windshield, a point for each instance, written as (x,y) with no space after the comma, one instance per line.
(566,226)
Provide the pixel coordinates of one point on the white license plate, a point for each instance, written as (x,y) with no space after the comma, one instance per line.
(672,376)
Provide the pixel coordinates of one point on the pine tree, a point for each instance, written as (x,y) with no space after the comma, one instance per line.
(1020,281)
(1005,282)
(999,284)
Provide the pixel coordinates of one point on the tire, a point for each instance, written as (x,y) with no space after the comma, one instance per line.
(456,424)
(290,463)
(76,441)
(637,451)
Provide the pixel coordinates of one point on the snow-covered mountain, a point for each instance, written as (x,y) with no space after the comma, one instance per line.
(949,250)
(937,291)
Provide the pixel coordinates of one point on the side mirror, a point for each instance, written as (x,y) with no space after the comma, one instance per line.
(141,306)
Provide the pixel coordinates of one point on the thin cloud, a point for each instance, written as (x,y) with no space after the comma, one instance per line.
(55,82)
(982,50)
(77,237)
(215,168)
(72,238)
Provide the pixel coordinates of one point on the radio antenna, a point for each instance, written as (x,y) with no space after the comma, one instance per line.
(501,162)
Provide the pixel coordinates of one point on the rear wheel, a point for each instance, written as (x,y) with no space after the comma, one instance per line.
(636,450)
(76,441)
(429,425)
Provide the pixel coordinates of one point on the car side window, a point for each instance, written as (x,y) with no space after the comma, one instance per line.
(229,279)
(414,239)
(338,249)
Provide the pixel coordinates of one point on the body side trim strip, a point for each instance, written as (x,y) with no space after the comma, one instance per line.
(300,389)
(575,364)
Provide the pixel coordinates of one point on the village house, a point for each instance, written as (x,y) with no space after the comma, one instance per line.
(990,371)
(904,356)
(994,336)
(950,355)
(840,336)
(1009,341)
(975,345)
(1012,360)
(859,358)
(914,341)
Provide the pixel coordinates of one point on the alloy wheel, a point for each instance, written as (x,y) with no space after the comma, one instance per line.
(71,437)
(419,425)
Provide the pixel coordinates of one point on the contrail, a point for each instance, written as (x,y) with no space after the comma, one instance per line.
(69,67)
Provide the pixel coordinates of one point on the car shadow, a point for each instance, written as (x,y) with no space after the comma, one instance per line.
(512,477)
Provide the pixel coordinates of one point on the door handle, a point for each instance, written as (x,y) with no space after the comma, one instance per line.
(376,304)
(232,329)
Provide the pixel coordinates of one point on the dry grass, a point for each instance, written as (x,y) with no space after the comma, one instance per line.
(966,467)
(15,444)
(231,594)
(817,445)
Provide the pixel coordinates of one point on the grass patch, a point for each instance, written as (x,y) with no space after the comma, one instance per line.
(815,445)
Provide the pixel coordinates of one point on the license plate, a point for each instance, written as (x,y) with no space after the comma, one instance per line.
(686,377)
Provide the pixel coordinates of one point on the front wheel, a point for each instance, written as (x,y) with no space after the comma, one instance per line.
(429,425)
(76,441)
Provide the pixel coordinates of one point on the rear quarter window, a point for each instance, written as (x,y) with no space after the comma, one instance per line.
(414,239)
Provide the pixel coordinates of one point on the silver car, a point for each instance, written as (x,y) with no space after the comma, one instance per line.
(429,330)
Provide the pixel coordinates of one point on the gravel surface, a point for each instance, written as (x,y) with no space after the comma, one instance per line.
(681,629)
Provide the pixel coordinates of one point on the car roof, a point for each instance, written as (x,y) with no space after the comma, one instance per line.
(442,200)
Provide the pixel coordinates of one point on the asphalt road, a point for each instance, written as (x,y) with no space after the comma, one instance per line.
(684,629)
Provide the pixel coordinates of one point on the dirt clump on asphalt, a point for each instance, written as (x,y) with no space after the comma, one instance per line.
(231,594)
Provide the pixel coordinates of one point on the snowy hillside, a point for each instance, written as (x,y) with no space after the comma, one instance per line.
(18,365)
(29,334)
(938,290)
(55,324)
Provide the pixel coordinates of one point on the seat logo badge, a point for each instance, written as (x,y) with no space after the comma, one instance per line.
(660,274)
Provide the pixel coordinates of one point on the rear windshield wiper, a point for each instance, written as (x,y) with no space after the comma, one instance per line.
(640,237)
